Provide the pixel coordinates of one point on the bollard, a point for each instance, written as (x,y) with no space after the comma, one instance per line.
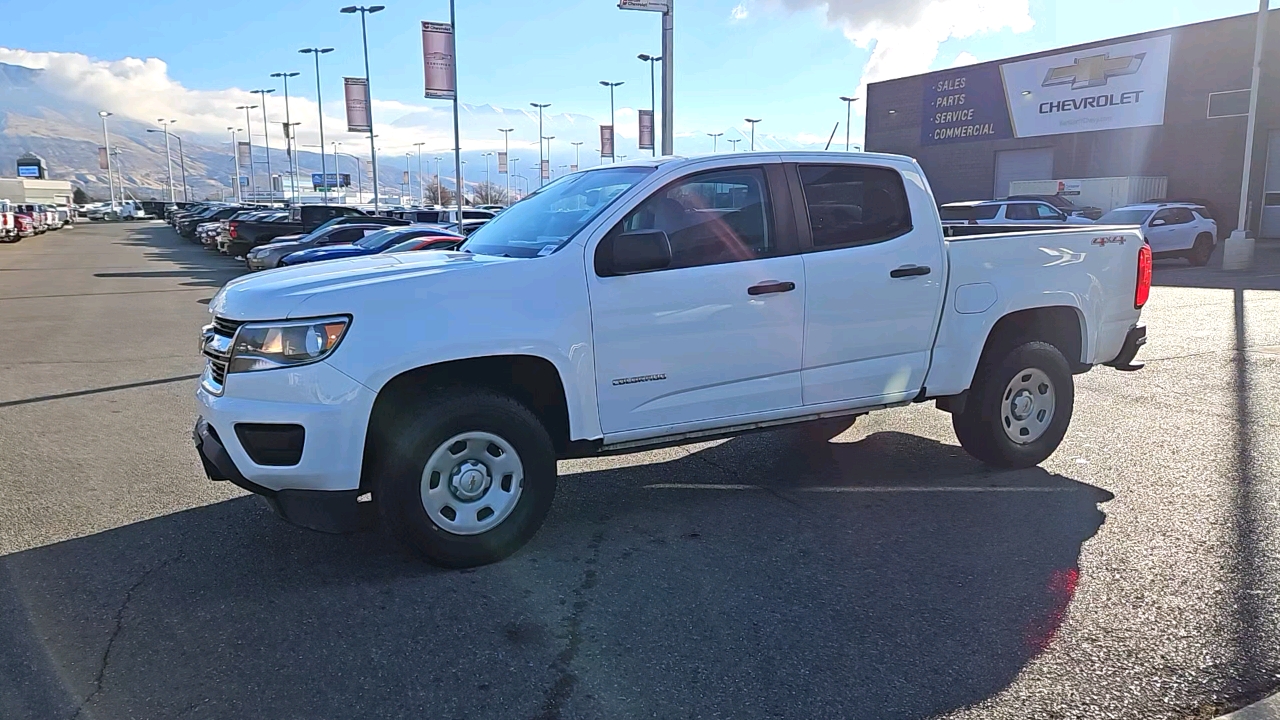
(1237,251)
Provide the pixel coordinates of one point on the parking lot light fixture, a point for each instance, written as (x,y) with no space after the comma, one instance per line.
(848,118)
(576,146)
(168,155)
(612,127)
(734,142)
(289,142)
(541,157)
(364,37)
(549,138)
(317,52)
(753,131)
(506,148)
(182,161)
(266,139)
(652,60)
(248,134)
(715,139)
(106,140)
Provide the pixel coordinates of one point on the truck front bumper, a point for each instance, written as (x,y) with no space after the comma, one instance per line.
(1133,342)
(323,510)
(312,478)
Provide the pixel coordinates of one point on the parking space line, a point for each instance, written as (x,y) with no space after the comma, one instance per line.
(864,489)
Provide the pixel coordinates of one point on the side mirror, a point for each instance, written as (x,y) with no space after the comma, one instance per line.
(634,252)
(1157,223)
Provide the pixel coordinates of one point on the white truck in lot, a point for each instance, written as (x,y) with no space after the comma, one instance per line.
(648,303)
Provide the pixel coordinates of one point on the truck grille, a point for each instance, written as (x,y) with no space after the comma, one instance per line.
(218,362)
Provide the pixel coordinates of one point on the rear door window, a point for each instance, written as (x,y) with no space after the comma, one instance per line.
(854,205)
(1020,211)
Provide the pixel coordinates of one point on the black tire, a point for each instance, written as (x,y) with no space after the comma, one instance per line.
(412,440)
(1201,251)
(981,426)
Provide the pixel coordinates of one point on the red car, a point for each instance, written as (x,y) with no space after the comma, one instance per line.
(26,226)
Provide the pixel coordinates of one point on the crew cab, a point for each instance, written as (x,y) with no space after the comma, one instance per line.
(641,304)
(302,219)
(8,223)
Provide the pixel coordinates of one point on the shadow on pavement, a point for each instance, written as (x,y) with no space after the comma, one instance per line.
(1264,275)
(203,268)
(631,601)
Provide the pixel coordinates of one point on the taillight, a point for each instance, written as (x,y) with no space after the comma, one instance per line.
(231,230)
(1143,291)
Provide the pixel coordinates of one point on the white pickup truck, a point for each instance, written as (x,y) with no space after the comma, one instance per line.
(641,304)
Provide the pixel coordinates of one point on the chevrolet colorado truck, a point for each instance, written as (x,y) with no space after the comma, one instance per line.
(641,304)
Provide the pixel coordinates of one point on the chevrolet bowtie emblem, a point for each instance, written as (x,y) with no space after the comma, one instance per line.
(1093,71)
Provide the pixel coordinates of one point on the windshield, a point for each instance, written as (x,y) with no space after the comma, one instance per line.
(1125,217)
(544,221)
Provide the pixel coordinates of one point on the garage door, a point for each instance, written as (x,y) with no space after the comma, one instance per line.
(1011,165)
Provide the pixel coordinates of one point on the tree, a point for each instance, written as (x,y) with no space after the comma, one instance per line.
(490,194)
(80,197)
(443,198)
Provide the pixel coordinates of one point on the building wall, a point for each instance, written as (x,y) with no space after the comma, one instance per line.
(1202,158)
(24,190)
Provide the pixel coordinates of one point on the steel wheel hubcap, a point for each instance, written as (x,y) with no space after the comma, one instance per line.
(1026,408)
(471,483)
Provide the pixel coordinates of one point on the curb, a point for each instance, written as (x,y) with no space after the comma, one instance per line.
(1265,709)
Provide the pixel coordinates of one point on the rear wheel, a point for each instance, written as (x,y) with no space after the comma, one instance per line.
(1019,407)
(1202,250)
(468,479)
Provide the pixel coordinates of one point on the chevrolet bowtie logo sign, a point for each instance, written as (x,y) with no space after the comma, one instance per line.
(1093,71)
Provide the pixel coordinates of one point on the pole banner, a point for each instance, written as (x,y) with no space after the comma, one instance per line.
(440,78)
(245,153)
(356,92)
(502,163)
(606,141)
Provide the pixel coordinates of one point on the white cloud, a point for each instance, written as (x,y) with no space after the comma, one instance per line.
(905,35)
(739,12)
(964,58)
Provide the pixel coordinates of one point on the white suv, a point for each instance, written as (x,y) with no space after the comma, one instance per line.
(1007,212)
(1172,229)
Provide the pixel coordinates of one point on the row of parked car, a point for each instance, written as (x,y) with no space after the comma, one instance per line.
(1172,228)
(267,238)
(21,220)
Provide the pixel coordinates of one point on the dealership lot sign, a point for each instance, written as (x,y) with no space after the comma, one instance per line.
(1106,88)
(1103,88)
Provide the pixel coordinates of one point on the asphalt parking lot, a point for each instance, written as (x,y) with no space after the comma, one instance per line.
(882,575)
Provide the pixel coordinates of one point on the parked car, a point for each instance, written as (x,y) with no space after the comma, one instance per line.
(425,242)
(8,223)
(1172,229)
(24,225)
(232,240)
(39,220)
(186,227)
(371,244)
(673,302)
(468,227)
(269,255)
(301,219)
(1063,204)
(1006,212)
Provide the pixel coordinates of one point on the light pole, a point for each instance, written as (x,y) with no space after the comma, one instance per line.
(248,134)
(288,135)
(359,171)
(461,187)
(612,127)
(576,146)
(548,139)
(488,187)
(106,139)
(753,131)
(182,160)
(364,36)
(526,183)
(506,149)
(1237,251)
(734,142)
(324,176)
(439,198)
(235,161)
(408,178)
(266,139)
(421,192)
(168,155)
(541,157)
(848,119)
(715,139)
(651,59)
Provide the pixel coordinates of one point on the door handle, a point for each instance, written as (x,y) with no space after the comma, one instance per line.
(766,288)
(910,271)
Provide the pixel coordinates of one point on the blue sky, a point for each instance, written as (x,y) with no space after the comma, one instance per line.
(782,60)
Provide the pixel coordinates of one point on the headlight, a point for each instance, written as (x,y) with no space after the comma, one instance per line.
(271,345)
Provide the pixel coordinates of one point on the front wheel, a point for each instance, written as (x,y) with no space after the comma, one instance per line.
(469,479)
(1019,407)
(1202,250)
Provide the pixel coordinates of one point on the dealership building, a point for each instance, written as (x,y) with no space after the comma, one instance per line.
(1159,115)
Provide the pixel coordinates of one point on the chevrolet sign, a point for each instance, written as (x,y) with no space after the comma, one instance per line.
(1093,71)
